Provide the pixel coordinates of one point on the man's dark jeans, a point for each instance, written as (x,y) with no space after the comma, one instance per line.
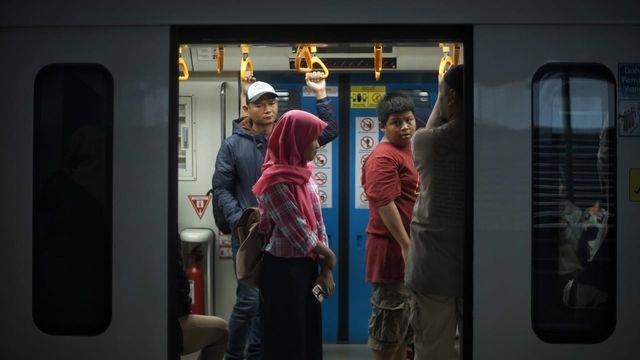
(245,328)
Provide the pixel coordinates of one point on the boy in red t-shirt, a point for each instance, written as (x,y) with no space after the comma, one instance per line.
(391,184)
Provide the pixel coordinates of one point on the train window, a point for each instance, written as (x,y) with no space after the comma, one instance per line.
(72,202)
(574,203)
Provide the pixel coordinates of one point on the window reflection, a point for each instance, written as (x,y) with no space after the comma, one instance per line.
(573,203)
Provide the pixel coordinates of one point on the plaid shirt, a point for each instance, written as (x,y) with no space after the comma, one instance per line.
(290,235)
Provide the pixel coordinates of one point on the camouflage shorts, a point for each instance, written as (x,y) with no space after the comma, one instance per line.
(391,307)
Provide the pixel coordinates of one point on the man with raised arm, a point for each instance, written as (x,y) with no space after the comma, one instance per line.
(434,267)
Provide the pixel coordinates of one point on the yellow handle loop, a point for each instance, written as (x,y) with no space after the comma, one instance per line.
(377,60)
(308,54)
(182,66)
(315,60)
(445,64)
(246,64)
(303,53)
(456,54)
(220,59)
(448,61)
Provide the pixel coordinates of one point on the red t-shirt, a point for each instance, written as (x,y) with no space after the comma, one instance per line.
(388,175)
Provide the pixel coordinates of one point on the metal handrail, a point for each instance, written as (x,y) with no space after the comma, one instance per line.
(223,111)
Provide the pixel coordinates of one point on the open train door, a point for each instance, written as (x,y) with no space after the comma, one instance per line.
(556,142)
(85,186)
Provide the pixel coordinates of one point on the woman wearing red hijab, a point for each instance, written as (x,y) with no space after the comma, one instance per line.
(291,213)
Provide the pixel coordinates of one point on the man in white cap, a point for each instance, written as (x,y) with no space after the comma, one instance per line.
(238,167)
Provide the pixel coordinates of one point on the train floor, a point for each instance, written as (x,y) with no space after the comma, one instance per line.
(331,352)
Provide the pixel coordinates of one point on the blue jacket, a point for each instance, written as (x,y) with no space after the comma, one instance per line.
(239,163)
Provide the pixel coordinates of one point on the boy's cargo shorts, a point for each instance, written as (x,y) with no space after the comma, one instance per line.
(391,308)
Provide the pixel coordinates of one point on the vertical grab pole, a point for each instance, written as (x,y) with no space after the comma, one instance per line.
(223,111)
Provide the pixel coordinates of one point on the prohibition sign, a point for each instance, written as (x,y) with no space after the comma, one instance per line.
(366,142)
(323,196)
(320,160)
(321,178)
(366,124)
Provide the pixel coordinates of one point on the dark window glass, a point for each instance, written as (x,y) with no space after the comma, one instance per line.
(72,203)
(574,203)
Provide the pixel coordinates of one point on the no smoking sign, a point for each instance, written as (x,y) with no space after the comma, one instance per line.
(321,178)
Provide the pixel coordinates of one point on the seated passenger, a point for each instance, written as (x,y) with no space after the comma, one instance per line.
(197,332)
(390,182)
(434,270)
(237,169)
(585,249)
(297,242)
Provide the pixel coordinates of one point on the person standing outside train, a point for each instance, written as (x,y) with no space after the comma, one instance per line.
(391,183)
(290,212)
(434,272)
(237,169)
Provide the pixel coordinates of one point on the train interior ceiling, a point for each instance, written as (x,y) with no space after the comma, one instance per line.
(359,74)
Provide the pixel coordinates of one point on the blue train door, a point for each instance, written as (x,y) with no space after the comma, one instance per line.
(364,135)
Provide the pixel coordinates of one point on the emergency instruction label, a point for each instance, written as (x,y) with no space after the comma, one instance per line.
(366,97)
(366,139)
(629,99)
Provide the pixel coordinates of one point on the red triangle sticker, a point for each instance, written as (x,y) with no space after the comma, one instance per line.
(199,203)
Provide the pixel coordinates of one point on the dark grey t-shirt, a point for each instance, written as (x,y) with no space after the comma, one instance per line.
(437,228)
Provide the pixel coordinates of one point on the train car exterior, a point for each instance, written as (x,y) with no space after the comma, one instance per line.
(135,44)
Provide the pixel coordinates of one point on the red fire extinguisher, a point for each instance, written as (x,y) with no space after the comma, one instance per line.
(196,282)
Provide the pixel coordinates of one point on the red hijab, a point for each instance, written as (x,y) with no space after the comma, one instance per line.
(285,163)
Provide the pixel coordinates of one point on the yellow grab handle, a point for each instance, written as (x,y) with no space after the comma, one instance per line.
(316,60)
(246,64)
(377,60)
(220,59)
(445,63)
(456,54)
(308,54)
(182,66)
(303,53)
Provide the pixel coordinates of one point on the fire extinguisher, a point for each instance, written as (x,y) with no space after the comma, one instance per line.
(196,281)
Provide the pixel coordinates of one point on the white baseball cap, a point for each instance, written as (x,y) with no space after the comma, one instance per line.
(259,88)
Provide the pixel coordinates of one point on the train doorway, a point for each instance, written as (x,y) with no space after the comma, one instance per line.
(208,98)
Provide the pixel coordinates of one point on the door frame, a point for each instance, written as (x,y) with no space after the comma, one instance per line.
(265,34)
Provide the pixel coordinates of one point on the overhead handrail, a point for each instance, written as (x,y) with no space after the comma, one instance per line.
(377,60)
(220,59)
(246,65)
(307,53)
(182,66)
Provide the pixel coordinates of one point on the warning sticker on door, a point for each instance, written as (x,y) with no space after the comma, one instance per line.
(366,97)
(629,99)
(367,135)
(322,173)
(634,185)
(199,203)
